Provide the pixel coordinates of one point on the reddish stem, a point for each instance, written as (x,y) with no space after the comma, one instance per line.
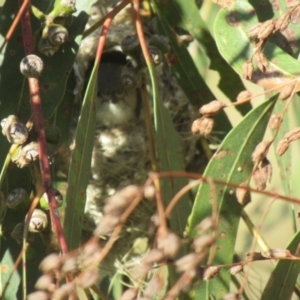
(108,19)
(15,23)
(36,107)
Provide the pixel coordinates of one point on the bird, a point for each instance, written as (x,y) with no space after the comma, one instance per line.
(121,147)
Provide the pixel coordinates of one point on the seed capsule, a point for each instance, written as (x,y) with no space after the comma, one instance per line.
(44,201)
(16,132)
(31,66)
(130,45)
(38,221)
(211,272)
(53,134)
(156,55)
(46,47)
(161,42)
(130,78)
(57,34)
(17,233)
(16,197)
(26,155)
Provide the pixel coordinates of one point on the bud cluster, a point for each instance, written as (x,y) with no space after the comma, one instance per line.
(289,137)
(79,265)
(205,124)
(260,33)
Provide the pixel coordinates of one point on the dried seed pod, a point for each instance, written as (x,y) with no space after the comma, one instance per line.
(45,282)
(44,201)
(260,179)
(242,193)
(106,225)
(31,66)
(53,134)
(70,264)
(266,168)
(203,126)
(261,61)
(205,225)
(187,262)
(64,291)
(116,204)
(39,295)
(26,155)
(260,151)
(266,29)
(16,132)
(275,121)
(38,221)
(57,34)
(18,197)
(149,192)
(254,30)
(282,147)
(157,57)
(248,69)
(243,96)
(130,78)
(139,272)
(283,21)
(292,135)
(211,272)
(154,286)
(236,269)
(278,254)
(89,254)
(286,92)
(203,242)
(50,263)
(169,244)
(130,294)
(45,47)
(154,256)
(161,42)
(212,108)
(87,278)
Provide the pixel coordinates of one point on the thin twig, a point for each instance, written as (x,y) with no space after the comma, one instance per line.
(13,26)
(38,121)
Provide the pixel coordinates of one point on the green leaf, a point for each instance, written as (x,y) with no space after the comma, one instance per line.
(170,159)
(177,14)
(284,276)
(231,30)
(188,77)
(233,154)
(81,164)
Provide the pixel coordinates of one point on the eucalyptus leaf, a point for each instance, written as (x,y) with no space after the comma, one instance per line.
(231,163)
(231,31)
(80,164)
(284,276)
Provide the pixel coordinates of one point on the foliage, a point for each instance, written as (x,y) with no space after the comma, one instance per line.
(195,234)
